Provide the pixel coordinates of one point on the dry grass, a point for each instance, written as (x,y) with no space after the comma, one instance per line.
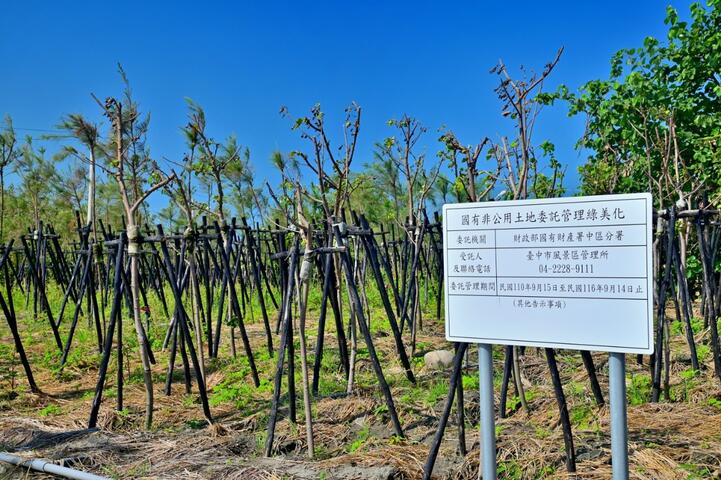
(670,440)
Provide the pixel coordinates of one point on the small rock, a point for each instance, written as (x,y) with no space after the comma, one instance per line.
(438,359)
(589,455)
(361,421)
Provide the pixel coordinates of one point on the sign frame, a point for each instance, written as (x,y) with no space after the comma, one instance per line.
(593,314)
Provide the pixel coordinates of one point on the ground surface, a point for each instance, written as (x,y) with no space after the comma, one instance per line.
(678,438)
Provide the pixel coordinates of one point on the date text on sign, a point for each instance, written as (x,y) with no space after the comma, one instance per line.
(564,272)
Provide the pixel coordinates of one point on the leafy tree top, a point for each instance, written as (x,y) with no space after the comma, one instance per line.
(655,123)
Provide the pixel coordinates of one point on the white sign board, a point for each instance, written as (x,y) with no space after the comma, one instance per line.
(570,273)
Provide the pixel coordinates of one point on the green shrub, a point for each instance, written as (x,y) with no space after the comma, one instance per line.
(640,389)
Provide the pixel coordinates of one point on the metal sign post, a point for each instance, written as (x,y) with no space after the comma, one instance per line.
(487,420)
(619,425)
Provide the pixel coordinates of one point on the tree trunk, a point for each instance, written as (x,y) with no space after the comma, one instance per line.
(133,248)
(517,378)
(90,219)
(2,204)
(302,307)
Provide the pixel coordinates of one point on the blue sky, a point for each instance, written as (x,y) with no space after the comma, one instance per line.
(242,62)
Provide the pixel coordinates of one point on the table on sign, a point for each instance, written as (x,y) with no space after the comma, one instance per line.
(548,257)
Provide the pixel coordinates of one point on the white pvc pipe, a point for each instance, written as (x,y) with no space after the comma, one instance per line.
(48,467)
